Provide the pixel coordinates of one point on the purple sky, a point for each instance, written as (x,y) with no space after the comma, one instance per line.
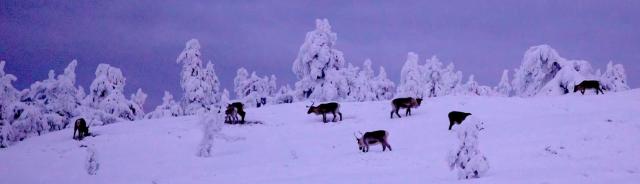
(143,38)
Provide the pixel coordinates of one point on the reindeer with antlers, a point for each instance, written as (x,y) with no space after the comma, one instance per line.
(325,108)
(372,138)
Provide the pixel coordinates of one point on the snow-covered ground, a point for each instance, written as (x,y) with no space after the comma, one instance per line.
(561,139)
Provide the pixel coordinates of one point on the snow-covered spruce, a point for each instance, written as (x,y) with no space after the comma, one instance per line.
(168,108)
(411,80)
(471,87)
(504,87)
(614,78)
(252,90)
(318,66)
(199,83)
(365,86)
(137,103)
(466,157)
(284,95)
(106,96)
(440,80)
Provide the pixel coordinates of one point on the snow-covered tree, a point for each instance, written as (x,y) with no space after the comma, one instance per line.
(411,78)
(284,95)
(466,157)
(471,87)
(318,65)
(383,87)
(137,103)
(449,80)
(9,99)
(252,90)
(354,82)
(106,95)
(200,84)
(168,108)
(432,75)
(240,83)
(614,78)
(272,86)
(504,87)
(539,66)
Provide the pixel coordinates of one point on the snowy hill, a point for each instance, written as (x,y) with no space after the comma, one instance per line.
(558,139)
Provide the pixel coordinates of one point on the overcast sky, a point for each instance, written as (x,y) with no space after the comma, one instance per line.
(143,38)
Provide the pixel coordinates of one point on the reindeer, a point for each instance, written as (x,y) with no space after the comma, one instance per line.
(81,127)
(231,115)
(407,103)
(456,117)
(325,108)
(588,84)
(233,110)
(372,138)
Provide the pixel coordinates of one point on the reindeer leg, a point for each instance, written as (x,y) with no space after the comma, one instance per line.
(398,109)
(408,112)
(334,116)
(74,132)
(450,124)
(324,117)
(339,113)
(385,144)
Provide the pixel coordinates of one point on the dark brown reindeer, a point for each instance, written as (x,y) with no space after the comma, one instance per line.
(233,110)
(406,103)
(372,138)
(81,127)
(325,108)
(588,84)
(456,117)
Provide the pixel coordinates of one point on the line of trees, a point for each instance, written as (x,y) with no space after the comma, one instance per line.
(322,73)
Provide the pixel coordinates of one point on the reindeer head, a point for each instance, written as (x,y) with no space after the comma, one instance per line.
(312,109)
(360,141)
(577,87)
(419,100)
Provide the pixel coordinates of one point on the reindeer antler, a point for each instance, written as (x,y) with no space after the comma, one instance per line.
(312,102)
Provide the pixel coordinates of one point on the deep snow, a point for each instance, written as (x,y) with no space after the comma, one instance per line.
(559,139)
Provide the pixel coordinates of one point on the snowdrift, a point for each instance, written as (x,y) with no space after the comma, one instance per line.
(550,139)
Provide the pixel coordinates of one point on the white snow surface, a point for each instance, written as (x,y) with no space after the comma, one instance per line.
(546,139)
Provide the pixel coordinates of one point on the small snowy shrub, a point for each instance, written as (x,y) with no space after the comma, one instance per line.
(466,157)
(212,125)
(92,165)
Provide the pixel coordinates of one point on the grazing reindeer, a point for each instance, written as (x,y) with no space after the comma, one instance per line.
(231,115)
(82,128)
(233,110)
(587,84)
(323,109)
(407,103)
(456,117)
(371,138)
